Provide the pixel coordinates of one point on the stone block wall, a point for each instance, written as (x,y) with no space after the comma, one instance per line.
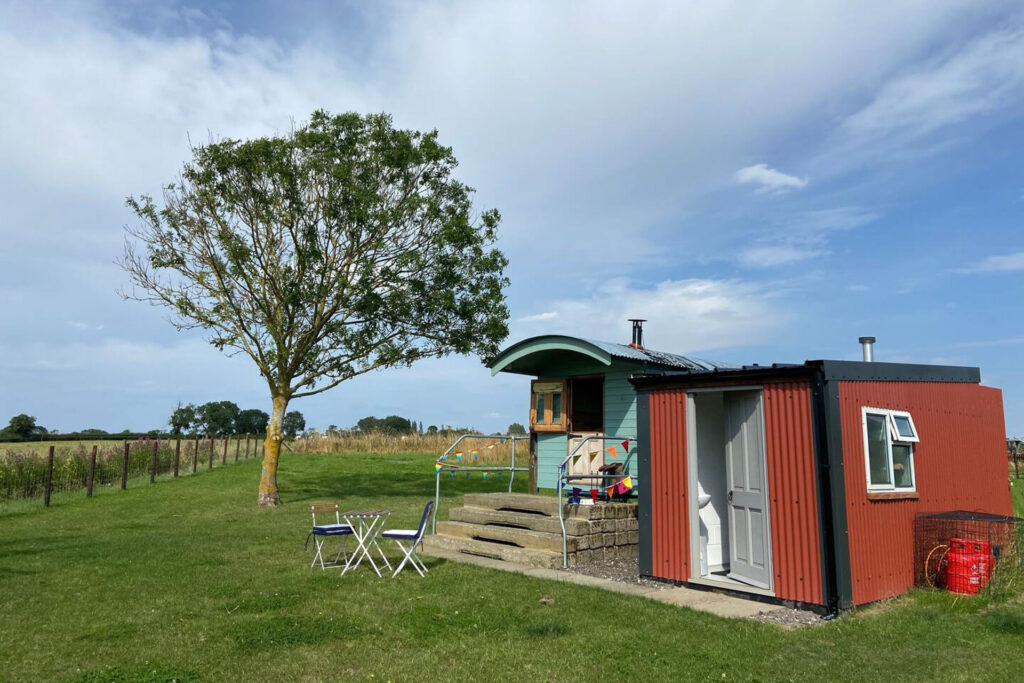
(600,532)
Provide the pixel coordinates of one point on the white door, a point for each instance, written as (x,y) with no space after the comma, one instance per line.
(749,556)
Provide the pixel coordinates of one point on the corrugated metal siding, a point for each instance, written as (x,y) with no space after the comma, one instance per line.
(667,489)
(960,463)
(796,549)
(792,489)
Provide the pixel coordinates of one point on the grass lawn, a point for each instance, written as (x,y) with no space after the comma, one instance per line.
(187,579)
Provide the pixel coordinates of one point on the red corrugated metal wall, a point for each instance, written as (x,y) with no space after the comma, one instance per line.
(960,464)
(670,532)
(793,492)
(796,550)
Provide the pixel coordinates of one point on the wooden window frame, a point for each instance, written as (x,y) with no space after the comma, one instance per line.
(546,425)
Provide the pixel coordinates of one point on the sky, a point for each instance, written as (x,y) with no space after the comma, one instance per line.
(764,182)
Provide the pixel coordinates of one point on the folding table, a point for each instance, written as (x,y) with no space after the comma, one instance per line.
(365,525)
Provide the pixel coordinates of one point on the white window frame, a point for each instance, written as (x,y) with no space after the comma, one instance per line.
(896,436)
(890,433)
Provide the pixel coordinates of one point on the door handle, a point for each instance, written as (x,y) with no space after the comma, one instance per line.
(730,495)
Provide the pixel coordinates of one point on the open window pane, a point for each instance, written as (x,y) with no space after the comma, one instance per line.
(556,408)
(903,427)
(878,451)
(902,466)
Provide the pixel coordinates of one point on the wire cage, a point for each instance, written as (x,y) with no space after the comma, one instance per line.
(933,532)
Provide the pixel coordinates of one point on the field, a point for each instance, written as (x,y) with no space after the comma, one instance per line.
(188,580)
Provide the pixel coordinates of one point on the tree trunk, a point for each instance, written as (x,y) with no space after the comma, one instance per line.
(268,496)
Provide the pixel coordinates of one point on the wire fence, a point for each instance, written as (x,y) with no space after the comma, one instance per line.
(1015,456)
(28,475)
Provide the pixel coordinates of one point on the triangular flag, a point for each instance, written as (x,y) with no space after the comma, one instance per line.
(474,453)
(502,441)
(437,466)
(453,474)
(628,482)
(492,446)
(615,453)
(485,475)
(467,475)
(499,475)
(625,445)
(458,456)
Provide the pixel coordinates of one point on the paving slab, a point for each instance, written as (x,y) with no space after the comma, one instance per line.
(703,601)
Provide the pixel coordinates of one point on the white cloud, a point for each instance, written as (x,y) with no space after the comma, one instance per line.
(539,317)
(683,315)
(769,179)
(1004,263)
(85,327)
(776,255)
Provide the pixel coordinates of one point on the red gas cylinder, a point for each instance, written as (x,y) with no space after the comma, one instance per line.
(983,551)
(963,567)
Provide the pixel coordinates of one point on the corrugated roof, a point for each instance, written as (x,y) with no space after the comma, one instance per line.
(660,357)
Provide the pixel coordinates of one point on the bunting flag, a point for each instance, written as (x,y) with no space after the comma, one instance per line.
(485,475)
(458,456)
(615,453)
(625,445)
(437,466)
(467,475)
(502,441)
(473,453)
(628,483)
(499,475)
(491,447)
(453,474)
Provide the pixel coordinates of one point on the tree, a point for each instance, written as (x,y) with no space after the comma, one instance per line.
(217,418)
(293,423)
(251,421)
(341,247)
(21,426)
(183,418)
(516,429)
(432,429)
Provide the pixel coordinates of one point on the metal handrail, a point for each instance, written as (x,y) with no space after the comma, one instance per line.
(511,469)
(563,479)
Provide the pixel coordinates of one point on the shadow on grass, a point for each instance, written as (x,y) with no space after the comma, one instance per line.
(260,634)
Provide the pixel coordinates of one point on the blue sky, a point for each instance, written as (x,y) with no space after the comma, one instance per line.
(762,181)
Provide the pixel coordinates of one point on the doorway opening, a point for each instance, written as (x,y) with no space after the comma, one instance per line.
(729,526)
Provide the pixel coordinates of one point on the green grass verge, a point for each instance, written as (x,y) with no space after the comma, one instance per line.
(188,580)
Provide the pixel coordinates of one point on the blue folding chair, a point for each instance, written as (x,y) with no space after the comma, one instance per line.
(412,536)
(321,532)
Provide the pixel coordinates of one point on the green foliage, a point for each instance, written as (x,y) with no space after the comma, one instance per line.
(516,429)
(392,424)
(183,418)
(293,423)
(217,418)
(251,421)
(22,426)
(340,247)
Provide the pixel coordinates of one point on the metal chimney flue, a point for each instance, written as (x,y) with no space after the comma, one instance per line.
(867,345)
(638,333)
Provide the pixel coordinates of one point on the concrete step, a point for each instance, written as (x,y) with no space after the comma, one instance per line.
(516,502)
(496,551)
(524,520)
(522,538)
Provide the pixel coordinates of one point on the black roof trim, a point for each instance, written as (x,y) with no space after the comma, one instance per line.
(839,370)
(859,371)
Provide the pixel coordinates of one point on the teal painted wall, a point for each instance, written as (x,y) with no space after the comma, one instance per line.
(551,451)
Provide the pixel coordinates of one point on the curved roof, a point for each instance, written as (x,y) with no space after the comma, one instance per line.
(516,357)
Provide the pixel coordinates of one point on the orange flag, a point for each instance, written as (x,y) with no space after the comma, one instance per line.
(615,453)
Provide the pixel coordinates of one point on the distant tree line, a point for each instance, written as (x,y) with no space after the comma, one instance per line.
(224,418)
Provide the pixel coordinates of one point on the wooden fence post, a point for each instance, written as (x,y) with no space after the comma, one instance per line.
(238,444)
(224,456)
(246,446)
(177,456)
(195,456)
(92,473)
(152,466)
(49,479)
(124,467)
(209,465)
(1016,461)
